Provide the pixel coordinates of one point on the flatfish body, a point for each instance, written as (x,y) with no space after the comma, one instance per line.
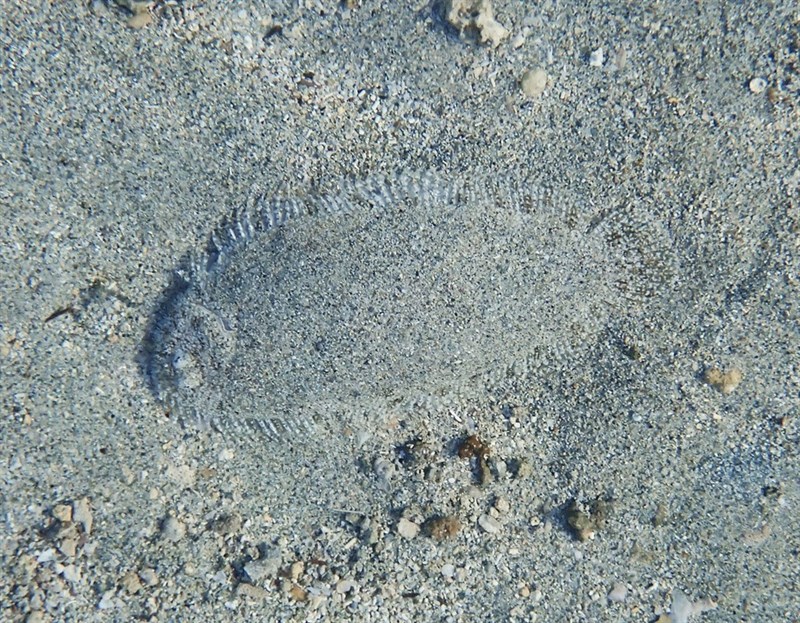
(308,320)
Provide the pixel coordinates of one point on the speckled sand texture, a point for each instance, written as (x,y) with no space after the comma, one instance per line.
(630,454)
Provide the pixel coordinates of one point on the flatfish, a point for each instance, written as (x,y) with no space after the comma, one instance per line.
(308,319)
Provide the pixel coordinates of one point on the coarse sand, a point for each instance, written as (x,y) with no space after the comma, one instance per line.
(636,459)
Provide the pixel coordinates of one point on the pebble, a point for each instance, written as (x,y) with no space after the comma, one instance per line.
(661,515)
(597,58)
(131,583)
(107,600)
(172,529)
(71,574)
(444,527)
(525,469)
(82,514)
(476,14)
(298,593)
(725,382)
(384,470)
(502,505)
(265,567)
(140,20)
(296,570)
(148,576)
(758,85)
(63,512)
(226,454)
(618,593)
(68,547)
(489,524)
(621,59)
(448,570)
(407,529)
(534,82)
(251,591)
(344,586)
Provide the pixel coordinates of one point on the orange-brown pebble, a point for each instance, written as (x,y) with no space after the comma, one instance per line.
(726,381)
(441,528)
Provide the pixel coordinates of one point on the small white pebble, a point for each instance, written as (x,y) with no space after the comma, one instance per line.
(82,514)
(597,58)
(502,505)
(384,470)
(226,454)
(172,529)
(621,59)
(69,547)
(257,570)
(407,529)
(448,570)
(148,576)
(71,574)
(265,567)
(489,524)
(758,85)
(681,607)
(534,82)
(107,601)
(344,586)
(296,570)
(618,593)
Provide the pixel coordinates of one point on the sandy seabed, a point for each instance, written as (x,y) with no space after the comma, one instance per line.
(648,474)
